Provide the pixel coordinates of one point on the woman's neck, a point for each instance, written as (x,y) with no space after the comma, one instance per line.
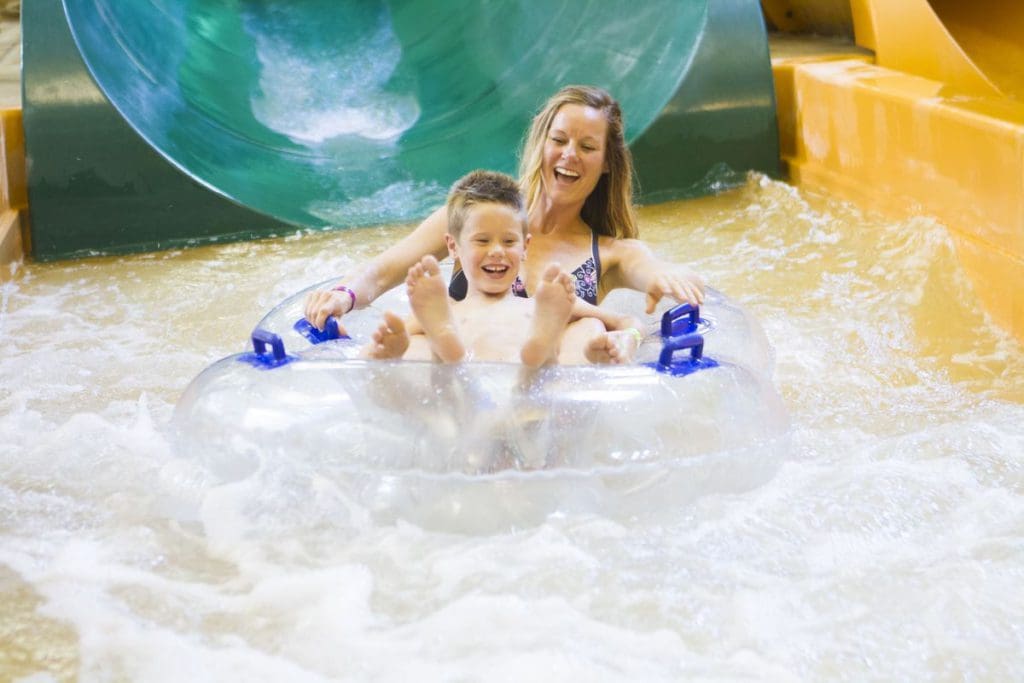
(547,218)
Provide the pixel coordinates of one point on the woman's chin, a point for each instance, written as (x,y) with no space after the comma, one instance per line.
(561,192)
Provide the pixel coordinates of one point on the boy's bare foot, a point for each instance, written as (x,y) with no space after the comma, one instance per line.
(553,302)
(428,297)
(390,340)
(603,350)
(616,347)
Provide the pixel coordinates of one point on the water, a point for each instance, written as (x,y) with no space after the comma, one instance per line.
(889,544)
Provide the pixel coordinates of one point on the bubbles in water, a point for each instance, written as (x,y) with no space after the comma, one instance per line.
(400,198)
(314,92)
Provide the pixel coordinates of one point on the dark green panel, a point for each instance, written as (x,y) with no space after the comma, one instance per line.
(94,185)
(721,122)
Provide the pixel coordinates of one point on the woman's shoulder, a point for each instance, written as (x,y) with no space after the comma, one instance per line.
(616,248)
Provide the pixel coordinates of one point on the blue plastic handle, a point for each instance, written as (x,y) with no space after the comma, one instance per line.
(314,336)
(260,358)
(261,338)
(692,341)
(680,320)
(671,366)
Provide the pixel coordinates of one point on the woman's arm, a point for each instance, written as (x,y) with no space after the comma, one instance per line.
(383,272)
(630,263)
(612,321)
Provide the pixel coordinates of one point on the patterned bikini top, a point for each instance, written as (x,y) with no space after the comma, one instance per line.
(587,277)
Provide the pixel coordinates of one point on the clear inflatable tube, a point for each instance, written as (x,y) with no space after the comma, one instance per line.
(484,446)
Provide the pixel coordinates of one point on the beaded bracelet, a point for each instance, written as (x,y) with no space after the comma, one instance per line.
(351,295)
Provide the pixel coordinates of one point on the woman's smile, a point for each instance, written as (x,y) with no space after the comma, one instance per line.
(565,175)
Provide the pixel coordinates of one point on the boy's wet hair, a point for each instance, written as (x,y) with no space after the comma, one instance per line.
(480,187)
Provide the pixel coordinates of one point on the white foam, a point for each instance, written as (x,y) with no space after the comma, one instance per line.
(314,98)
(887,546)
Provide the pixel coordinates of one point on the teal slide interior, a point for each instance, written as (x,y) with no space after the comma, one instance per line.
(155,123)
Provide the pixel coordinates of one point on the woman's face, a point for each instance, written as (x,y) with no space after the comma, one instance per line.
(574,153)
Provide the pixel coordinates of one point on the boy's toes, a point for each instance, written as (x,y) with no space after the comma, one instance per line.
(551,272)
(394,323)
(430,265)
(566,281)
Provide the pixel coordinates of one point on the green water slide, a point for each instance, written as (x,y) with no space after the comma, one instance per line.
(159,123)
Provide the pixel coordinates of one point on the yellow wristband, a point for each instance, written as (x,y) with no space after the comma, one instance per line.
(636,333)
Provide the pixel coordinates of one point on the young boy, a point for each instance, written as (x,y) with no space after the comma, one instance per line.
(487,234)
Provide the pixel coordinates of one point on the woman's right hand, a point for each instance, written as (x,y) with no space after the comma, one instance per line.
(383,272)
(322,304)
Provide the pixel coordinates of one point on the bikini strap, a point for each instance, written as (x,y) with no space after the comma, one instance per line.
(458,286)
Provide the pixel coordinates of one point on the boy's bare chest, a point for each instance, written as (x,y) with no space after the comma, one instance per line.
(495,331)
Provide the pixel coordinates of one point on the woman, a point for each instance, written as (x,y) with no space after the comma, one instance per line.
(576,173)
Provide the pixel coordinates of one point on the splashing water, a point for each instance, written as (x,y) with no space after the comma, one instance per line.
(890,544)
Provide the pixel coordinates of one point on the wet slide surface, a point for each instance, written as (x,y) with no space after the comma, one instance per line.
(327,113)
(973,46)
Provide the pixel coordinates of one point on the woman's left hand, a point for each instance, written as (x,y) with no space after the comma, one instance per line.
(683,286)
(632,264)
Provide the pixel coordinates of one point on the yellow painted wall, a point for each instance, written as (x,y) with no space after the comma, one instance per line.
(13,192)
(898,141)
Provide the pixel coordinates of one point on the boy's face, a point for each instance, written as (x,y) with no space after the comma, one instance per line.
(490,248)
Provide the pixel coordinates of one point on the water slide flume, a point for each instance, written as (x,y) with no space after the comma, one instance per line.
(153,124)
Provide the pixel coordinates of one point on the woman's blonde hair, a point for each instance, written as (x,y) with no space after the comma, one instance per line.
(608,210)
